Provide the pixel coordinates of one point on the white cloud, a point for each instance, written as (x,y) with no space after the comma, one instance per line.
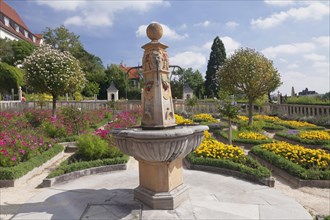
(322,66)
(294,48)
(293,66)
(167,32)
(203,24)
(60,6)
(323,40)
(314,57)
(313,11)
(99,13)
(231,24)
(279,2)
(188,59)
(230,44)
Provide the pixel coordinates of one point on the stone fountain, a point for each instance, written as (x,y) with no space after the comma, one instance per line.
(159,145)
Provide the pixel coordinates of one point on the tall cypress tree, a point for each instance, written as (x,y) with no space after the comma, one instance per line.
(217,58)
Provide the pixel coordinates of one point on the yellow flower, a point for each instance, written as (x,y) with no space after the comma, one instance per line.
(204,117)
(182,121)
(252,136)
(314,135)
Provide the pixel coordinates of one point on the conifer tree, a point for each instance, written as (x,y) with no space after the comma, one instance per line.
(217,58)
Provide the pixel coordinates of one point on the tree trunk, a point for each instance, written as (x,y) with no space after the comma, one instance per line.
(250,112)
(229,132)
(54,107)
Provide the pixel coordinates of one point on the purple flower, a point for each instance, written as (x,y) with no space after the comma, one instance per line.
(292,132)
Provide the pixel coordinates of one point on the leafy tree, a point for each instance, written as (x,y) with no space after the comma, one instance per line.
(248,72)
(119,78)
(229,109)
(187,77)
(6,49)
(217,58)
(20,49)
(53,72)
(10,78)
(90,89)
(60,38)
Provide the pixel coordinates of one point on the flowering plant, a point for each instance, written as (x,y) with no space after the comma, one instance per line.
(314,135)
(203,117)
(181,120)
(252,135)
(305,157)
(212,148)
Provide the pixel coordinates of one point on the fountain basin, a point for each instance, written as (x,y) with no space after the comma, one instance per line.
(159,145)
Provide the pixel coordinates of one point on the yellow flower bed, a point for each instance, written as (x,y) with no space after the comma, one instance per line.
(204,117)
(297,123)
(252,135)
(307,158)
(242,118)
(314,135)
(181,120)
(212,148)
(267,118)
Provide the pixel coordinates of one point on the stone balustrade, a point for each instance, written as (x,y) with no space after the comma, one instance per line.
(204,106)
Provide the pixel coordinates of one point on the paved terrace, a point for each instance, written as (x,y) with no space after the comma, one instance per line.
(110,196)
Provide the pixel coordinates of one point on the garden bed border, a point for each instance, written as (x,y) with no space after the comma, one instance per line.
(49,182)
(311,146)
(295,181)
(31,173)
(268,181)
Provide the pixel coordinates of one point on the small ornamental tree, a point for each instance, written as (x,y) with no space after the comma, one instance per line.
(249,73)
(53,72)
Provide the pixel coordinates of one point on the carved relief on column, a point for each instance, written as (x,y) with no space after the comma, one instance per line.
(154,60)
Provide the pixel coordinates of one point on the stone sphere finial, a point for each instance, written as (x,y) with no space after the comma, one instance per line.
(154,31)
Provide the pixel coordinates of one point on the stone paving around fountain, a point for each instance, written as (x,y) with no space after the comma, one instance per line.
(110,196)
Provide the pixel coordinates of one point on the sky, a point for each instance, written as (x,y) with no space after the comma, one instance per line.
(293,34)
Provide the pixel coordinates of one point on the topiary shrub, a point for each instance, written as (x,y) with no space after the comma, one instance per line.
(92,147)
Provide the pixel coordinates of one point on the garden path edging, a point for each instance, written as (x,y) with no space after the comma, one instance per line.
(31,173)
(48,182)
(295,181)
(269,181)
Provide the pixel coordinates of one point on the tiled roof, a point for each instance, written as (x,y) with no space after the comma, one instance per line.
(133,73)
(10,13)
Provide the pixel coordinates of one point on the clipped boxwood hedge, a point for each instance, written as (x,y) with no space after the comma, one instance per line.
(82,165)
(298,139)
(15,172)
(252,167)
(290,167)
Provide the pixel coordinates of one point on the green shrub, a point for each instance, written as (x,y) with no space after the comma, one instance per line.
(54,130)
(74,118)
(10,173)
(92,147)
(65,167)
(251,166)
(290,167)
(256,126)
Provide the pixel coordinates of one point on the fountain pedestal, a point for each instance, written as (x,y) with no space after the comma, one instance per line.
(159,145)
(161,184)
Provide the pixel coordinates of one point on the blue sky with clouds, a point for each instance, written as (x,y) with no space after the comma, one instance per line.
(294,34)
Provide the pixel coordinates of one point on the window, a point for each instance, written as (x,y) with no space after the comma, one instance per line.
(34,39)
(26,34)
(7,21)
(16,28)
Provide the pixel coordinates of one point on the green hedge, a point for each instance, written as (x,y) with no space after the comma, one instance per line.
(68,168)
(273,126)
(245,141)
(11,173)
(298,139)
(252,167)
(300,128)
(290,167)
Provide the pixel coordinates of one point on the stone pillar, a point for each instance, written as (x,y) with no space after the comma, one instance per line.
(157,103)
(20,95)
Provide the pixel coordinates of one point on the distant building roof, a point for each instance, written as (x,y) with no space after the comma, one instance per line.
(306,92)
(187,89)
(11,23)
(112,88)
(133,73)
